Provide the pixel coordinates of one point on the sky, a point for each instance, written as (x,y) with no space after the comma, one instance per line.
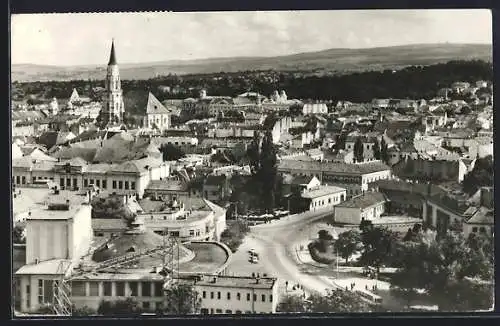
(84,39)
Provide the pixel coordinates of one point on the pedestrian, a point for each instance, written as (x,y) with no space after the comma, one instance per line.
(366,287)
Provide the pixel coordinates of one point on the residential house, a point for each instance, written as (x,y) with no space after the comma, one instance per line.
(368,206)
(314,108)
(430,169)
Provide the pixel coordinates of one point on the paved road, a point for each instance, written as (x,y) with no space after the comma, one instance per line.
(275,244)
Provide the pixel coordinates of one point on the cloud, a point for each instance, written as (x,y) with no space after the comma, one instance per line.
(70,39)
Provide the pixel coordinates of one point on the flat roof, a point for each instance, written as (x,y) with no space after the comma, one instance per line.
(238,282)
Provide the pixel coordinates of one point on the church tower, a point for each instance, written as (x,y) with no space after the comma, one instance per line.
(113,102)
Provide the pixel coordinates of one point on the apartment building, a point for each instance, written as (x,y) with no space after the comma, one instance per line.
(238,295)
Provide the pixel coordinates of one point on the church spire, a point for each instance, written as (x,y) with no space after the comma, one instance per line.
(112,57)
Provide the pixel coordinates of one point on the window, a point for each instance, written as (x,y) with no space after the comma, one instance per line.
(474,229)
(34,178)
(158,287)
(104,184)
(329,200)
(40,291)
(114,184)
(212,311)
(120,184)
(98,183)
(120,289)
(218,311)
(229,295)
(28,295)
(94,289)
(85,182)
(107,288)
(126,185)
(270,298)
(211,295)
(132,185)
(218,295)
(204,294)
(78,288)
(133,288)
(191,233)
(263,298)
(238,296)
(248,296)
(24,180)
(18,179)
(229,311)
(204,311)
(91,181)
(255,297)
(146,289)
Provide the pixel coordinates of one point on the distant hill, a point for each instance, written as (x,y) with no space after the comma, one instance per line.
(331,60)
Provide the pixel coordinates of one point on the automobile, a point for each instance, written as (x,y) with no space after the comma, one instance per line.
(254,259)
(252,252)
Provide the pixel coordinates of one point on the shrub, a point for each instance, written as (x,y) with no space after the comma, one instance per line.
(315,255)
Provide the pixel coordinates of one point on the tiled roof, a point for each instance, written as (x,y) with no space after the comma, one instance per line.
(87,154)
(154,106)
(321,191)
(166,185)
(238,281)
(418,188)
(333,167)
(103,224)
(364,201)
(482,216)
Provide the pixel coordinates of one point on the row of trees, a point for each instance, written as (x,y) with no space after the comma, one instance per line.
(453,271)
(481,175)
(335,301)
(379,150)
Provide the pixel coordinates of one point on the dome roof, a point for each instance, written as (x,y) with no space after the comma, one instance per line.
(134,242)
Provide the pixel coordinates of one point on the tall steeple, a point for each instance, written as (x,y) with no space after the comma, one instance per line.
(113,103)
(112,56)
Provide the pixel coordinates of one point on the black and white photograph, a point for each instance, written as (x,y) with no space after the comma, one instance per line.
(251,163)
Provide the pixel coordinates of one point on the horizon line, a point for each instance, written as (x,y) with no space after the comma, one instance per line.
(249,57)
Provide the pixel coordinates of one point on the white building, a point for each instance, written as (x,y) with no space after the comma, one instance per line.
(237,295)
(57,236)
(314,108)
(157,116)
(368,206)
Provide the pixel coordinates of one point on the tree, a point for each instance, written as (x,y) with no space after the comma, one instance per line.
(348,243)
(448,269)
(358,150)
(378,244)
(181,299)
(376,150)
(263,164)
(325,238)
(18,234)
(292,303)
(233,235)
(171,152)
(481,175)
(126,307)
(82,311)
(111,207)
(384,156)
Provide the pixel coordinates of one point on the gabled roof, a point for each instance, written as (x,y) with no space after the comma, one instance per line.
(482,216)
(154,106)
(364,201)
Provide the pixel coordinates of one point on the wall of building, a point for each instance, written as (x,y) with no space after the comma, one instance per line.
(82,233)
(326,201)
(233,304)
(47,239)
(347,215)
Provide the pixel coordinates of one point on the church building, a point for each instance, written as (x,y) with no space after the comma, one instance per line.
(113,108)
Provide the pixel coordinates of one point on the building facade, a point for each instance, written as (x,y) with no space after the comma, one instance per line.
(114,107)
